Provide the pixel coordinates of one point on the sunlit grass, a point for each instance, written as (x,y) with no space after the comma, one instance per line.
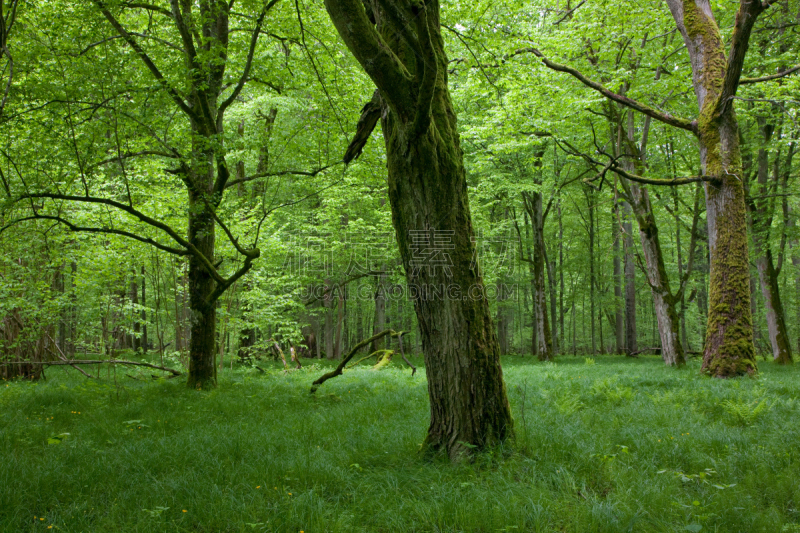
(618,445)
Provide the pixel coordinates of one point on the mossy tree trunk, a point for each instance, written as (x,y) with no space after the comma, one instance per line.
(399,45)
(729,349)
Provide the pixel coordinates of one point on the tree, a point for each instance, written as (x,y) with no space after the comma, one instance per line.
(399,45)
(729,349)
(124,132)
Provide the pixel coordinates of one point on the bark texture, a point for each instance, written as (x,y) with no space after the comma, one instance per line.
(729,349)
(400,47)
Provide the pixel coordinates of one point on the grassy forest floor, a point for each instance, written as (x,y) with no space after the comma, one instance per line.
(610,444)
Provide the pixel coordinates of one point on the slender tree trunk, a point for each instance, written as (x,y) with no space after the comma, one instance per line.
(136,338)
(631,344)
(592,280)
(619,320)
(145,340)
(761,216)
(379,322)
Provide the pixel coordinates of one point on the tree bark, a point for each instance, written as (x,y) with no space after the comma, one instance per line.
(619,321)
(729,349)
(631,344)
(428,196)
(761,216)
(379,321)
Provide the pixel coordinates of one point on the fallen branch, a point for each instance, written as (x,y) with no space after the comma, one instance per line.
(63,357)
(338,370)
(174,372)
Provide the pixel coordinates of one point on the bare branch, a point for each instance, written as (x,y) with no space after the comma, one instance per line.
(111,231)
(569,13)
(149,7)
(748,81)
(258,175)
(666,118)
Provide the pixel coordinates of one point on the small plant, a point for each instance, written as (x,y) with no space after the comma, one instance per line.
(588,360)
(569,405)
(745,413)
(608,389)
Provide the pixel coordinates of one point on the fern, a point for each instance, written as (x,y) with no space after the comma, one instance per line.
(745,413)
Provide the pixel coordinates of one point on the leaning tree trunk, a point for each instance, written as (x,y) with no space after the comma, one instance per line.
(663,300)
(428,194)
(405,58)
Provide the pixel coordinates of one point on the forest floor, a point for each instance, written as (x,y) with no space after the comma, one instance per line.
(606,444)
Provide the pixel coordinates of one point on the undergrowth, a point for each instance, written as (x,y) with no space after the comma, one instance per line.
(616,445)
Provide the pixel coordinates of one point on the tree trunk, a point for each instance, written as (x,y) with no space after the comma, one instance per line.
(663,300)
(729,349)
(619,321)
(430,213)
(145,341)
(203,320)
(631,344)
(762,215)
(379,322)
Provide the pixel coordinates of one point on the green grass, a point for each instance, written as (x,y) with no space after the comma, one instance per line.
(618,445)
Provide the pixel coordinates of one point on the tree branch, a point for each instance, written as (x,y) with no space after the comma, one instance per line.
(370,114)
(666,118)
(371,51)
(85,229)
(177,98)
(258,175)
(430,72)
(338,370)
(743,27)
(139,215)
(149,7)
(748,81)
(246,72)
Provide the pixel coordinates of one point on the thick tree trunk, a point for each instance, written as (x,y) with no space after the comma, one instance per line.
(203,320)
(428,193)
(729,349)
(431,218)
